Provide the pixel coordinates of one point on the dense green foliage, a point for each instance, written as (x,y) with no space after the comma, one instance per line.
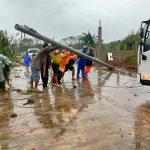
(13,46)
(4,44)
(130,42)
(88,39)
(25,43)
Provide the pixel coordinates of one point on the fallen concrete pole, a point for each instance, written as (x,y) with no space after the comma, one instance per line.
(34,33)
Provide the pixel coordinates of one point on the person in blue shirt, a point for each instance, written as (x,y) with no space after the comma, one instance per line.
(27,61)
(81,62)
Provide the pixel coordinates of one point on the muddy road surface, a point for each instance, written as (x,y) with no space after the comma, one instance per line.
(108,111)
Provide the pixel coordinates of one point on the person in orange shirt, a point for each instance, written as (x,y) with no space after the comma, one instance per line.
(64,57)
(70,67)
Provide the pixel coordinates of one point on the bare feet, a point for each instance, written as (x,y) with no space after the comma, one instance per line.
(5,96)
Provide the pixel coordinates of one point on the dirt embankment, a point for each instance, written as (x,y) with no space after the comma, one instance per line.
(127,63)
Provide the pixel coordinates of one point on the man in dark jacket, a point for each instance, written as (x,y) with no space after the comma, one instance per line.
(89,62)
(46,74)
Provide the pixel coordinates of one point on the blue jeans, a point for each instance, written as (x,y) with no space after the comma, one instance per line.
(81,68)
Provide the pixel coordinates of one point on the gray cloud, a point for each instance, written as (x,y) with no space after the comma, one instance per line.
(62,18)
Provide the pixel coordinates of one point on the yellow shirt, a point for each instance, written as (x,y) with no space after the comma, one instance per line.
(55,59)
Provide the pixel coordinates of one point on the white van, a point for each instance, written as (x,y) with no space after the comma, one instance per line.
(144,53)
(32,52)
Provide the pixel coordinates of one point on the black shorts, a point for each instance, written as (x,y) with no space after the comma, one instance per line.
(2,86)
(55,68)
(6,72)
(69,68)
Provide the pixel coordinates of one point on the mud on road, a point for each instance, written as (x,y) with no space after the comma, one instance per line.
(108,111)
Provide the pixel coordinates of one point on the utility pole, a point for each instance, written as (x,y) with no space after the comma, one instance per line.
(99,44)
(119,47)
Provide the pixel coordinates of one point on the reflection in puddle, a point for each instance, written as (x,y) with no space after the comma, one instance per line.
(64,114)
(6,109)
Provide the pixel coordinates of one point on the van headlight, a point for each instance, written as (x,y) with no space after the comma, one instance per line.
(146,77)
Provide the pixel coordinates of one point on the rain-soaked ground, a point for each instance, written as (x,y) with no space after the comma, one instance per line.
(108,111)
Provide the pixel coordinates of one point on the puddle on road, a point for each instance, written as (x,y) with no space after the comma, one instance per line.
(103,106)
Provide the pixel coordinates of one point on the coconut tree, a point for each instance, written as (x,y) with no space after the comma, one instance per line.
(88,39)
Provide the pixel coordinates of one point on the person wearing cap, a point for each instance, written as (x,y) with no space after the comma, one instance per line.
(89,62)
(81,62)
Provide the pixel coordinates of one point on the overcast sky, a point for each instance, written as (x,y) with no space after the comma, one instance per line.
(63,18)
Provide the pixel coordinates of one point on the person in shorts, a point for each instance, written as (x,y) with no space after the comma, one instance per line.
(65,57)
(70,67)
(38,63)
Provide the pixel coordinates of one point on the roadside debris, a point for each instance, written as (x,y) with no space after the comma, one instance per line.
(13,115)
(29,101)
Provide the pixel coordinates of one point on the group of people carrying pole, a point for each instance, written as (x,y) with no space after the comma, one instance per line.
(60,61)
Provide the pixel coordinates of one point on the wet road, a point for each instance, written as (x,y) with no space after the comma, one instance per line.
(108,111)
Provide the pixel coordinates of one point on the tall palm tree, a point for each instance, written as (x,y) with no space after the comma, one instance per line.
(88,39)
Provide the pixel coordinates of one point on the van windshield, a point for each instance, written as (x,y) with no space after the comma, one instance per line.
(147,39)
